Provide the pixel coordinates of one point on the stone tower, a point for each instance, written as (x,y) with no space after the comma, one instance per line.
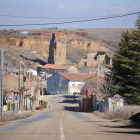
(57,52)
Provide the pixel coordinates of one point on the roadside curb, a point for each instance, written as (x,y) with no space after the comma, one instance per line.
(3,123)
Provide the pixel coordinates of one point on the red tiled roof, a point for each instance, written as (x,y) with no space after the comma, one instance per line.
(101,76)
(48,66)
(62,67)
(77,76)
(15,76)
(11,74)
(54,66)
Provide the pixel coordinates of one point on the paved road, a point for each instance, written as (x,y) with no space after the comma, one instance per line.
(61,122)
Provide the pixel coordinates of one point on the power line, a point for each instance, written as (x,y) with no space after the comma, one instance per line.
(46,17)
(108,17)
(53,18)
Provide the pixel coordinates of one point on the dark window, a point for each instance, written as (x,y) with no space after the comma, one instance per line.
(85,64)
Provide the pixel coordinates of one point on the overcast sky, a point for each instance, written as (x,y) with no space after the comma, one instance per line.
(68,9)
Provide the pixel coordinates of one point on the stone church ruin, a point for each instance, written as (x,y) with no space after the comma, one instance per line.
(57,52)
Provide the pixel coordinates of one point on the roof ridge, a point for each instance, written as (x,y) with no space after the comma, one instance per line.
(15,75)
(77,76)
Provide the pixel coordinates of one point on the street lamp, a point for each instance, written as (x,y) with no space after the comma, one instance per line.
(2,61)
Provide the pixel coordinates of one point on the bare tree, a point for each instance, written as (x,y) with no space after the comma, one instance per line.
(90,85)
(110,86)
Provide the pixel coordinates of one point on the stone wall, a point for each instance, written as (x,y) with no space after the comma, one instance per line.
(91,59)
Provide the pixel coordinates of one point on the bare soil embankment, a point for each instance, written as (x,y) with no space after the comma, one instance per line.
(79,42)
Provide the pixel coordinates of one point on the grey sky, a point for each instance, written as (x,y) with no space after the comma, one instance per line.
(66,9)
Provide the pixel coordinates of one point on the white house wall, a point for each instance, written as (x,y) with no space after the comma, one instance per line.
(57,84)
(75,86)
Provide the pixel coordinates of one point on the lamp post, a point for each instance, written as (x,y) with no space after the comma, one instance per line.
(2,61)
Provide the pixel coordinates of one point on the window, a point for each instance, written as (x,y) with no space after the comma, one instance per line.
(79,83)
(55,82)
(85,64)
(73,83)
(47,70)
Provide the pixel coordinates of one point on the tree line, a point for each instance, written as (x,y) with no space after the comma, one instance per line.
(124,75)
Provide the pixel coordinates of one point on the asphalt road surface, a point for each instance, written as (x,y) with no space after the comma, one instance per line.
(62,122)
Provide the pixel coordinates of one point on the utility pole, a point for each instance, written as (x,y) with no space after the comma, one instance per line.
(24,69)
(33,93)
(28,93)
(19,74)
(19,85)
(29,82)
(24,80)
(92,65)
(1,96)
(98,72)
(42,92)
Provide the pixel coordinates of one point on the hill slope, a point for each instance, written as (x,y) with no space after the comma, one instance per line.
(79,42)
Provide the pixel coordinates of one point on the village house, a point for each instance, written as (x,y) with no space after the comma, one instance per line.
(32,91)
(67,83)
(88,94)
(53,68)
(11,82)
(91,85)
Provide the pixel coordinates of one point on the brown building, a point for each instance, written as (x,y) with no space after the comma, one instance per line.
(91,85)
(32,87)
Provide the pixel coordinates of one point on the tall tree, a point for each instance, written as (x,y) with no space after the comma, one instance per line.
(110,86)
(126,65)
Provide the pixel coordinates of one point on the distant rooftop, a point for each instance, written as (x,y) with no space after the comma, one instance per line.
(77,76)
(54,66)
(48,66)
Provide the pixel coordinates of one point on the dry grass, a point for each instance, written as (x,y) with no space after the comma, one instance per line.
(123,114)
(15,116)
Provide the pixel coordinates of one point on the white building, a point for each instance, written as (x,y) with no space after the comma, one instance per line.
(32,71)
(67,83)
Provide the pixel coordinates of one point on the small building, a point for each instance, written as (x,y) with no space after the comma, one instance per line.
(67,83)
(53,68)
(12,84)
(32,71)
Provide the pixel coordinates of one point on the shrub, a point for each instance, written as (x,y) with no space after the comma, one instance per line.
(15,115)
(125,113)
(9,106)
(45,104)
